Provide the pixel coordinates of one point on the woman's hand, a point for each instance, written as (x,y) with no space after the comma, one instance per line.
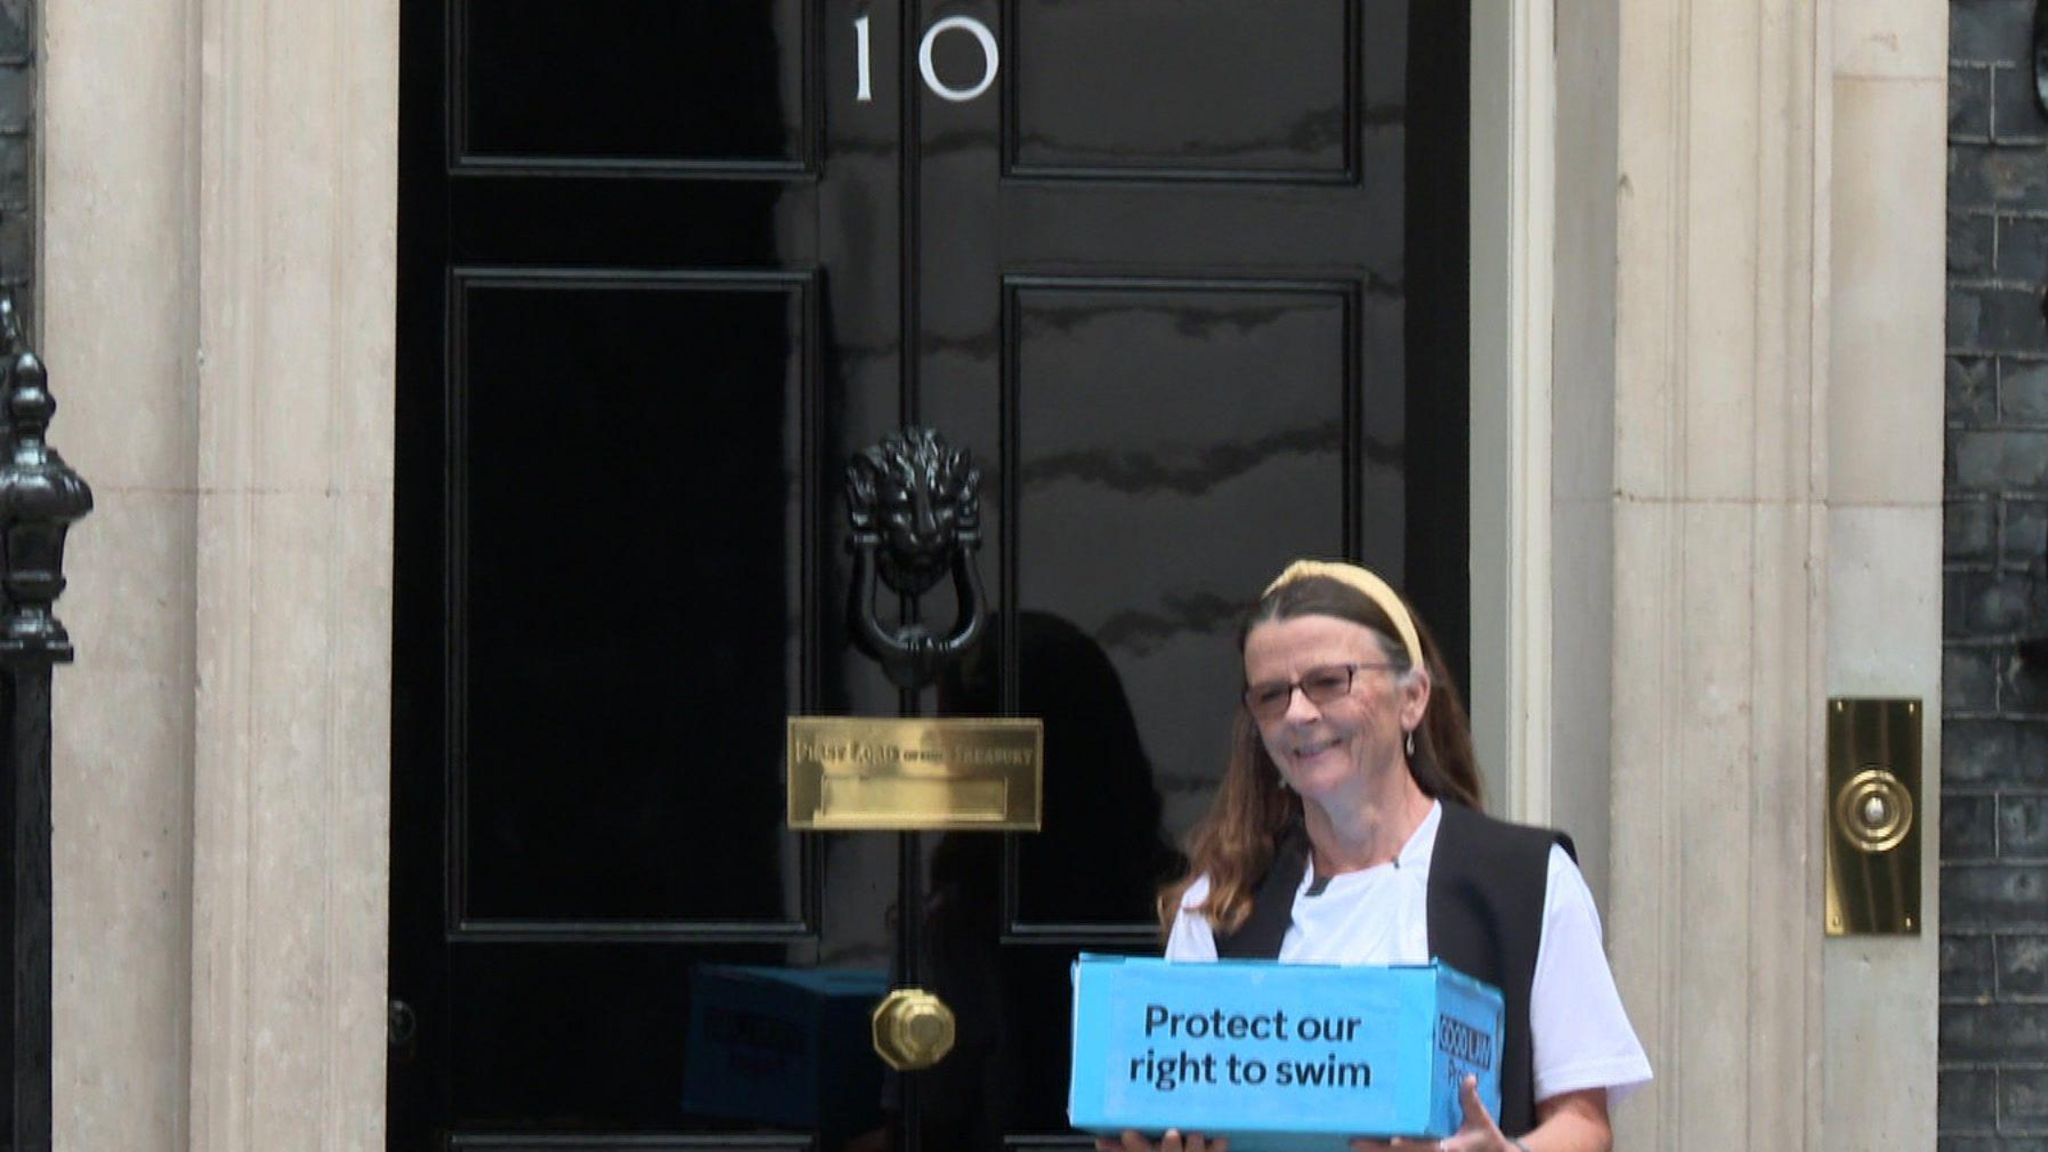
(1478,1134)
(1173,1141)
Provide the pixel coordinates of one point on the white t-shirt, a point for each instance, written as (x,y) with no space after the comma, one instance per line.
(1580,1033)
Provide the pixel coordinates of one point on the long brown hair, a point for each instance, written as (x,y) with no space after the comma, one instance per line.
(1234,842)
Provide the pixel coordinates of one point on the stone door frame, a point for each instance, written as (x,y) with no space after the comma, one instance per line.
(1711,371)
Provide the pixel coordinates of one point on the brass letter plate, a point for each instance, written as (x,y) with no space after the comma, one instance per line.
(1874,818)
(859,773)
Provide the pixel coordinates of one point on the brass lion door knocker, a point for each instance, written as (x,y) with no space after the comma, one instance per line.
(914,504)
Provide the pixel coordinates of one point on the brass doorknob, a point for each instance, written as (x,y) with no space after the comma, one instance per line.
(913,1029)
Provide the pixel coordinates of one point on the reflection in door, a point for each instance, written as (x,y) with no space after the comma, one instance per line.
(1098,864)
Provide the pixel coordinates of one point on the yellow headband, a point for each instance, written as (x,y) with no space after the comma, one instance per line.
(1375,589)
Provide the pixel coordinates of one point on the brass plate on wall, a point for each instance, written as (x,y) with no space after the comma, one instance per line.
(1874,817)
(953,774)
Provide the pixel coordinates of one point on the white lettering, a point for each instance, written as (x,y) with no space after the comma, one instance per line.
(991,58)
(866,93)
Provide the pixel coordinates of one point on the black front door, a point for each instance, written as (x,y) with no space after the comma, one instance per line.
(1186,277)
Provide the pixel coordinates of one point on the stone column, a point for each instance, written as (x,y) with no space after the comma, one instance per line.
(297,207)
(1776,484)
(220,252)
(119,317)
(1719,555)
(1888,151)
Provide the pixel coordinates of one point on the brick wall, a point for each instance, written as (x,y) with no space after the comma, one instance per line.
(1994,772)
(17,152)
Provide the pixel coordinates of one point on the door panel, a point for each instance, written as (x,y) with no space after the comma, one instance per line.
(1207,90)
(1186,280)
(1147,418)
(567,1035)
(630,85)
(582,789)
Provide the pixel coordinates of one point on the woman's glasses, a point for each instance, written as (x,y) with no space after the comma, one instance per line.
(1270,701)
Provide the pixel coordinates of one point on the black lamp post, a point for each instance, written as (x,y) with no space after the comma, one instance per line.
(40,498)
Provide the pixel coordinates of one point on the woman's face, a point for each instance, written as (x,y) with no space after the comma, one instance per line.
(1324,749)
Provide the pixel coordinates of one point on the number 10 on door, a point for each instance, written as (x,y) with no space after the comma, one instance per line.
(991,58)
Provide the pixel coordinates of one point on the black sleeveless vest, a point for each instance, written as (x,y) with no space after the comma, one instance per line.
(1485,918)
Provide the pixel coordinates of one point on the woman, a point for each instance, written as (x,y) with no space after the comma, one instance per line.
(1347,830)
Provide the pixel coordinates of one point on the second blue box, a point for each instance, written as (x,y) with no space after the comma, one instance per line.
(786,1047)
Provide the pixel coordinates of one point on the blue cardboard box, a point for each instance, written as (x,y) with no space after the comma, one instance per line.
(1279,1057)
(791,1048)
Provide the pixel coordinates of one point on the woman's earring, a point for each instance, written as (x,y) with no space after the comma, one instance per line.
(1410,745)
